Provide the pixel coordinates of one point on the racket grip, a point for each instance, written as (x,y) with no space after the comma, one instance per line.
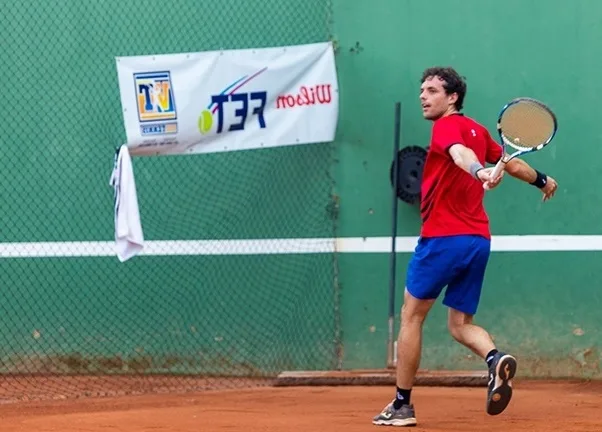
(496,171)
(499,167)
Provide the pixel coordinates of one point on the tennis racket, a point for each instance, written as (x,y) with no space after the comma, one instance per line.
(526,125)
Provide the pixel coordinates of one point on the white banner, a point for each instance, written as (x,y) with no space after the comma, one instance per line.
(229,100)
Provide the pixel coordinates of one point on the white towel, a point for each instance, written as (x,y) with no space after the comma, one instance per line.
(128,230)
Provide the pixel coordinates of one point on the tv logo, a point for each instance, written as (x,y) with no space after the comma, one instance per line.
(155,97)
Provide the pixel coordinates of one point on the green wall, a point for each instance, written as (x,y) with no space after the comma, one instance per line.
(262,314)
(533,302)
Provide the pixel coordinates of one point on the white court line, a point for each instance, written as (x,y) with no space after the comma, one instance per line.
(509,243)
(503,243)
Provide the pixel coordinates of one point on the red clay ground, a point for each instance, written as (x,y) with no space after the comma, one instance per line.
(536,407)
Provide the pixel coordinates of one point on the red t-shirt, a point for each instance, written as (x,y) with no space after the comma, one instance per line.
(452,200)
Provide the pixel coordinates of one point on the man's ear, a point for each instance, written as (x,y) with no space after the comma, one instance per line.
(453,98)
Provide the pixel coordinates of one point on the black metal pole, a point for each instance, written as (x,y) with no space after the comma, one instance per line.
(393,256)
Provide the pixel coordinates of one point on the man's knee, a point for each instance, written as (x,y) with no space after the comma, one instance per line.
(456,321)
(455,330)
(411,316)
(414,310)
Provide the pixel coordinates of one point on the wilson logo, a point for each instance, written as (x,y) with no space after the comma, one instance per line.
(308,95)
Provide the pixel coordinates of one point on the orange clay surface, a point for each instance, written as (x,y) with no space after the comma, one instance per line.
(536,407)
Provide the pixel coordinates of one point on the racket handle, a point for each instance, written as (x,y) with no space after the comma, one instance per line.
(496,171)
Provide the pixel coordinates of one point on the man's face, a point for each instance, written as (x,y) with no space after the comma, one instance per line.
(435,102)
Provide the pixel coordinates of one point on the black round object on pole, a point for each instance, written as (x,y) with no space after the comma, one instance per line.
(410,164)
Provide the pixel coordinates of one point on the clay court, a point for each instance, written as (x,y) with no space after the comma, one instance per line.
(536,407)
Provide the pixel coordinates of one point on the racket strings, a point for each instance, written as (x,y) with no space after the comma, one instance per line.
(527,125)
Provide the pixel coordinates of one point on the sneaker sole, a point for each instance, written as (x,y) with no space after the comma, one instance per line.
(500,396)
(409,422)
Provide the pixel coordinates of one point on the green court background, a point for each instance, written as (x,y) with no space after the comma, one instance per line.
(542,306)
(257,314)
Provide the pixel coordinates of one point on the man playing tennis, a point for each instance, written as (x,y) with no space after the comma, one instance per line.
(454,244)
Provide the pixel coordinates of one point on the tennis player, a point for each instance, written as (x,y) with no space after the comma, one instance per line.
(454,244)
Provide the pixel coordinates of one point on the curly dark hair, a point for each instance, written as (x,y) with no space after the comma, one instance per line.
(454,83)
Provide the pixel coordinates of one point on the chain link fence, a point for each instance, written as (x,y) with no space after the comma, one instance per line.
(77,322)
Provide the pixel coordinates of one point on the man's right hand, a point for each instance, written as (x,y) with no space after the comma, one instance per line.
(485,175)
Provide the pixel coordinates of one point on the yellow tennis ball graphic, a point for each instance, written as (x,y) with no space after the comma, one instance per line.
(205,121)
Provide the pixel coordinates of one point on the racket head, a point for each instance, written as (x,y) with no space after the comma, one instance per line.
(526,124)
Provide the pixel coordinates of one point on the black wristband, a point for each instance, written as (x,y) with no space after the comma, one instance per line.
(541,180)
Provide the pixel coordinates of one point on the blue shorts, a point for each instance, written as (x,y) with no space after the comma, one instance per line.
(458,262)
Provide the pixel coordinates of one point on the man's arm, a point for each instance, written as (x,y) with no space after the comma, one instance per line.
(467,160)
(521,170)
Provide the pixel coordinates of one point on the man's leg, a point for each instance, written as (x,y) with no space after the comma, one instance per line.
(473,337)
(430,269)
(409,341)
(502,366)
(400,412)
(462,297)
